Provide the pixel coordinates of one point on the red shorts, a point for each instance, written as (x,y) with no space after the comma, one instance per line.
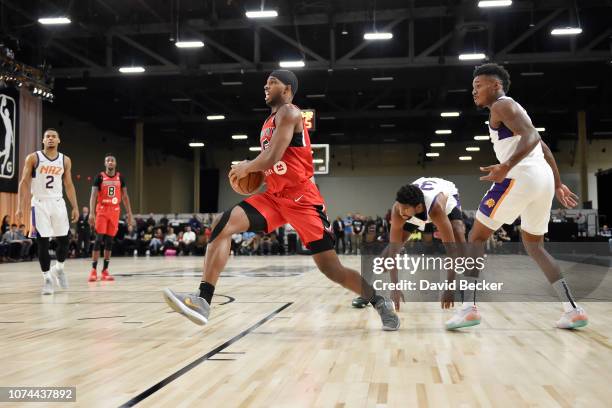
(107,223)
(303,208)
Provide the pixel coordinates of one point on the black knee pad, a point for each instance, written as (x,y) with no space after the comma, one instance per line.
(108,242)
(43,253)
(220,225)
(61,251)
(98,242)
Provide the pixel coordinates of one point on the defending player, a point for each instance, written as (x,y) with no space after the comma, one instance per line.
(291,197)
(524,184)
(107,193)
(43,174)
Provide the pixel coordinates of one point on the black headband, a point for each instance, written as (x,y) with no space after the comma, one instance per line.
(287,78)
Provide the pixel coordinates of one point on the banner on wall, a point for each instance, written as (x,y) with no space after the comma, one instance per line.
(9,139)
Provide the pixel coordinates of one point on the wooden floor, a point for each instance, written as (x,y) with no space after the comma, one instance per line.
(281,335)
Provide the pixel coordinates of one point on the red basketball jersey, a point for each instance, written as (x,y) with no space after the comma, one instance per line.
(295,167)
(109,191)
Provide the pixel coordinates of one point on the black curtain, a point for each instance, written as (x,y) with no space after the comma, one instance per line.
(209,190)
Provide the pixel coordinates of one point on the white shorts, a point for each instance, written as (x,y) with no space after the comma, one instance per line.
(49,218)
(527,193)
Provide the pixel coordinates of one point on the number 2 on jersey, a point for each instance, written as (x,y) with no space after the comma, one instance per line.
(49,183)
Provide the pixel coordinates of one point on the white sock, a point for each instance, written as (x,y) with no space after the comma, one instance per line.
(46,275)
(59,265)
(567,306)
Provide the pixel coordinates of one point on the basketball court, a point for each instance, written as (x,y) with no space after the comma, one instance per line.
(282,335)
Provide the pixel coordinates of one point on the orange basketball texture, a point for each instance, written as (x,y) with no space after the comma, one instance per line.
(249,183)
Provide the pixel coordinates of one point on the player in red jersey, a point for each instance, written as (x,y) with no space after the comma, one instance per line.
(291,197)
(107,192)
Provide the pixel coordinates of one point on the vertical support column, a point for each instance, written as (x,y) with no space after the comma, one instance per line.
(411,40)
(109,50)
(256,46)
(196,180)
(332,47)
(582,156)
(139,167)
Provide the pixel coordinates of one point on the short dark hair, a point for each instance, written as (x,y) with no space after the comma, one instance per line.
(51,130)
(21,225)
(410,195)
(13,225)
(494,70)
(110,155)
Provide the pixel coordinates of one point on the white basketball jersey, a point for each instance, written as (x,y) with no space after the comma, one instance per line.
(47,177)
(431,187)
(505,141)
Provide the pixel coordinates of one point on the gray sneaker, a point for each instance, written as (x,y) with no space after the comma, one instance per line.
(386,310)
(60,277)
(47,287)
(190,305)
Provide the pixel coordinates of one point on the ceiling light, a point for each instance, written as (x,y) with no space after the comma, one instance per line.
(443,132)
(449,114)
(262,14)
(472,149)
(583,87)
(318,161)
(437,144)
(377,36)
(432,154)
(315,96)
(566,31)
(215,117)
(473,56)
(231,83)
(483,137)
(494,3)
(382,78)
(457,90)
(486,122)
(386,106)
(54,20)
(532,73)
(236,162)
(255,149)
(189,44)
(196,144)
(327,117)
(465,158)
(387,125)
(76,88)
(239,137)
(541,129)
(292,64)
(131,70)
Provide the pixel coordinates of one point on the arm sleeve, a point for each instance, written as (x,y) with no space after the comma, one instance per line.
(122,179)
(97,181)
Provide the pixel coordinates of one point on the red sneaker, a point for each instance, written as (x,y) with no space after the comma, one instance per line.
(106,276)
(93,275)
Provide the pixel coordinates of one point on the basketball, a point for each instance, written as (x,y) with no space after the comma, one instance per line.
(249,183)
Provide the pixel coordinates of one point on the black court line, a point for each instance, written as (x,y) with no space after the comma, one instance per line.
(232,352)
(200,360)
(221,359)
(101,317)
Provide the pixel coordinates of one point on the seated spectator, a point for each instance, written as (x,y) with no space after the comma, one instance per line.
(145,239)
(170,241)
(22,235)
(187,245)
(14,245)
(236,244)
(194,222)
(248,243)
(151,221)
(605,231)
(129,243)
(157,242)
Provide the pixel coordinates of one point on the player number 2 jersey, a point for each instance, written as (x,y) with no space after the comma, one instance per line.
(295,167)
(47,177)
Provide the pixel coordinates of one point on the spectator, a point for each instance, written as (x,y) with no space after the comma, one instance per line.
(187,245)
(145,239)
(22,236)
(164,223)
(157,242)
(194,222)
(83,234)
(582,225)
(10,238)
(338,227)
(291,239)
(170,241)
(236,243)
(357,236)
(280,235)
(129,243)
(605,231)
(151,221)
(265,245)
(348,233)
(5,224)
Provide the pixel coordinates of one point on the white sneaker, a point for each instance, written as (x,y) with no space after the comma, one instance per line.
(60,277)
(135,252)
(465,316)
(148,252)
(47,287)
(573,319)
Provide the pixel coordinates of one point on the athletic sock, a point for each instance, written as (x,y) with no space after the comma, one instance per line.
(46,275)
(206,291)
(94,264)
(469,295)
(59,265)
(564,294)
(106,262)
